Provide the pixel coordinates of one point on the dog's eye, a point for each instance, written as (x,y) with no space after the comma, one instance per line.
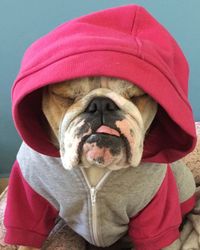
(140,95)
(63,100)
(136,98)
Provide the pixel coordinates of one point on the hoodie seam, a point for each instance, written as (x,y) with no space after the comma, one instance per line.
(89,51)
(134,24)
(134,30)
(29,72)
(139,46)
(27,230)
(157,237)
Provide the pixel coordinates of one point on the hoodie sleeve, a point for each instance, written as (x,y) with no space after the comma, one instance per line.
(157,225)
(28,217)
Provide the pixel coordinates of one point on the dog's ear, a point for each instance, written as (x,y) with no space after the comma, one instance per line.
(51,135)
(45,124)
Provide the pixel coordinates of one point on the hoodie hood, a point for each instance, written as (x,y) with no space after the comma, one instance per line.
(123,42)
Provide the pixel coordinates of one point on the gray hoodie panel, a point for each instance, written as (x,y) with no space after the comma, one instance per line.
(60,187)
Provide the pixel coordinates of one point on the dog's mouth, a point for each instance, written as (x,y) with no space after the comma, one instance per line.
(107,130)
(104,148)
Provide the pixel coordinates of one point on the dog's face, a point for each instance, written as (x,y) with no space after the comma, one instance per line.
(98,122)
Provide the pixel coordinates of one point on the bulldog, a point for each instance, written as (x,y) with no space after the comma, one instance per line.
(115,170)
(98,123)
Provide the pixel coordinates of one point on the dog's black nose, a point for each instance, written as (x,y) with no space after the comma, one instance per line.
(101,105)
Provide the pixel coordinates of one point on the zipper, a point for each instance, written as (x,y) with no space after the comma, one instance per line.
(93,193)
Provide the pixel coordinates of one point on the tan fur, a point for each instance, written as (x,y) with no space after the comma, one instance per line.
(57,98)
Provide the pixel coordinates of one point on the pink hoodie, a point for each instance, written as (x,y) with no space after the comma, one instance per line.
(125,42)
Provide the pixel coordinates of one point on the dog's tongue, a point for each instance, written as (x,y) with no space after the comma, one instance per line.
(108,130)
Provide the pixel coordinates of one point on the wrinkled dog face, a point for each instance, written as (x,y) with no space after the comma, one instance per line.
(99,121)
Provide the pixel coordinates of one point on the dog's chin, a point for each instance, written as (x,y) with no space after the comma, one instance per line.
(104,151)
(111,149)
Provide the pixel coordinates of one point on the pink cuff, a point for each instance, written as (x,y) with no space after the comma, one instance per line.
(16,236)
(158,242)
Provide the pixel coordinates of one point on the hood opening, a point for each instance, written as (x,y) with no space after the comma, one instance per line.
(124,42)
(34,125)
(165,141)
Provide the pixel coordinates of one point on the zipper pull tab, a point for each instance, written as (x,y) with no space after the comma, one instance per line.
(93,195)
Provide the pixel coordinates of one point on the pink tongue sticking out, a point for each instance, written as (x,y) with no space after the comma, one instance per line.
(108,130)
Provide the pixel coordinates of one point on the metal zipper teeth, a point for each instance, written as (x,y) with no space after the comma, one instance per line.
(93,193)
